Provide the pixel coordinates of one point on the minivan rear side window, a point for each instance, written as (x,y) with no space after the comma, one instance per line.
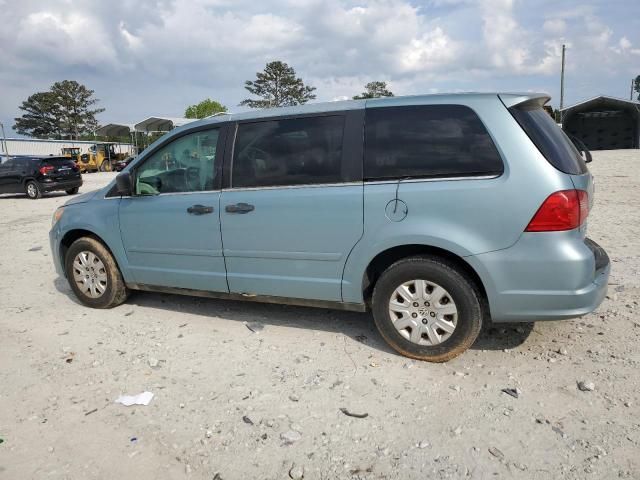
(552,142)
(428,141)
(296,151)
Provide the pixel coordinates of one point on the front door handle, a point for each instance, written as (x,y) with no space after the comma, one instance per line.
(199,209)
(239,208)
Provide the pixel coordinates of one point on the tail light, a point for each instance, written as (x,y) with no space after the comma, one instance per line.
(47,169)
(563,210)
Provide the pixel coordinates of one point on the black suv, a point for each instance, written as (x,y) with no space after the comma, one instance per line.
(36,175)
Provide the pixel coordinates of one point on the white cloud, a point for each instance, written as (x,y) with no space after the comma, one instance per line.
(508,43)
(555,26)
(156,56)
(71,38)
(431,51)
(624,43)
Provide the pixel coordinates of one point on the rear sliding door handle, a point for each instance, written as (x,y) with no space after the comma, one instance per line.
(199,209)
(239,208)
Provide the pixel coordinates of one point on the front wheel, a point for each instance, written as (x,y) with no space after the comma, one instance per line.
(93,274)
(72,191)
(426,308)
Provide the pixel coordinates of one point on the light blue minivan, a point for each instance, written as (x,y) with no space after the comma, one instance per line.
(438,213)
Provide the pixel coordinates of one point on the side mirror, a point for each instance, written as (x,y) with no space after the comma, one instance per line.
(124,184)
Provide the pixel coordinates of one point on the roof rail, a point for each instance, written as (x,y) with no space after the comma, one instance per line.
(218,113)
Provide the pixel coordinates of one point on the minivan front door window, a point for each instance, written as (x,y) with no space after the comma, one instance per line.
(184,165)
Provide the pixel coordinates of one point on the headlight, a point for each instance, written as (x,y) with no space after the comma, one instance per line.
(57,215)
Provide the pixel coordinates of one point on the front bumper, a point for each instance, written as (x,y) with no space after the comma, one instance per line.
(544,276)
(54,243)
(50,185)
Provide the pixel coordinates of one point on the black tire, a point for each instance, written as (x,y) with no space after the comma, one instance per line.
(72,191)
(33,190)
(462,291)
(116,291)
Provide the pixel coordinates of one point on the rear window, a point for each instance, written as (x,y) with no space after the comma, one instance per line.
(428,141)
(57,160)
(552,142)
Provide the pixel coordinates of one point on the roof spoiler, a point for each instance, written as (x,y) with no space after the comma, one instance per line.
(513,99)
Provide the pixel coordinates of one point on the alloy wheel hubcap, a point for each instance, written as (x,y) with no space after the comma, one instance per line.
(90,274)
(423,312)
(31,189)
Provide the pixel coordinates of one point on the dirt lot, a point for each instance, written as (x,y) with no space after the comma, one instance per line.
(231,403)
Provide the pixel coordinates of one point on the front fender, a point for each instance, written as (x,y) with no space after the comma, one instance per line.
(100,218)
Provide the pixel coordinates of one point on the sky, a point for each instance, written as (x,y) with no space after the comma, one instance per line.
(154,57)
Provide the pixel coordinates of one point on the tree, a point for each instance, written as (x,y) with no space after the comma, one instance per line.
(374,90)
(65,111)
(75,101)
(41,118)
(636,86)
(205,108)
(278,86)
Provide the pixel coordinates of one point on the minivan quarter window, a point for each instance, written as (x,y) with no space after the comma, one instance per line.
(428,141)
(186,164)
(296,151)
(552,142)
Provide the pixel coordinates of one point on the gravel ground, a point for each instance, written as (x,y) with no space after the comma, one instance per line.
(246,390)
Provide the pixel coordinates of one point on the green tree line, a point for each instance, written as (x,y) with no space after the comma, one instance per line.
(68,109)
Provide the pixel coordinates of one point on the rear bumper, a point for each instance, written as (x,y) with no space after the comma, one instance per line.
(49,185)
(544,276)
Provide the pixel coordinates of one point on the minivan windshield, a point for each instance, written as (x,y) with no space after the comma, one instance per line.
(552,142)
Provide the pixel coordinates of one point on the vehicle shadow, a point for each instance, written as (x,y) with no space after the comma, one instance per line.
(357,326)
(24,195)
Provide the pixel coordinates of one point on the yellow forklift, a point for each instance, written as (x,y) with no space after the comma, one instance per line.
(99,158)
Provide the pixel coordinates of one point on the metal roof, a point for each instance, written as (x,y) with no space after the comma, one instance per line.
(604,99)
(115,130)
(161,124)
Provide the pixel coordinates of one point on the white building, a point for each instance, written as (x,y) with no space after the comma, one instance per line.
(32,146)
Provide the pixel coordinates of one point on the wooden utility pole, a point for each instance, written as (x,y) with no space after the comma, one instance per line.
(562,83)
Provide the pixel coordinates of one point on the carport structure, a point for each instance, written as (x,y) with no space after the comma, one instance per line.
(119,130)
(161,124)
(154,125)
(146,127)
(604,123)
(115,130)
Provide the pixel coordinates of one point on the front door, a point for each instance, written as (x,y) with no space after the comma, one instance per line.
(170,227)
(294,209)
(5,172)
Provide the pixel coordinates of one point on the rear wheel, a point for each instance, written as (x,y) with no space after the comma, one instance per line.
(72,191)
(426,308)
(32,189)
(93,274)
